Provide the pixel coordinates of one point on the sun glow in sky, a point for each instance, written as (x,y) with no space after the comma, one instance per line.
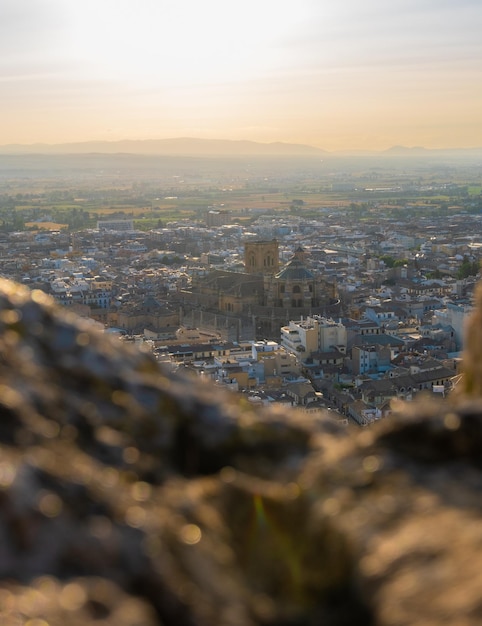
(338,75)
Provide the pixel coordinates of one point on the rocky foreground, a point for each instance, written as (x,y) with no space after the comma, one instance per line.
(133,497)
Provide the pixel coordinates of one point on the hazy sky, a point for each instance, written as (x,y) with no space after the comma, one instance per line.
(338,74)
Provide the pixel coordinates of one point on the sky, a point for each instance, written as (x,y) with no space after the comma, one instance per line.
(336,74)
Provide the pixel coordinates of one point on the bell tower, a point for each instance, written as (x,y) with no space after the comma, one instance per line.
(261,257)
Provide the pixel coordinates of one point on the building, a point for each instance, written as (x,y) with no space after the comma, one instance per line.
(217,217)
(315,334)
(262,298)
(276,360)
(261,257)
(294,287)
(370,359)
(454,315)
(116,225)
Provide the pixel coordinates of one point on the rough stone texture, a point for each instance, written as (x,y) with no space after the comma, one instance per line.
(129,496)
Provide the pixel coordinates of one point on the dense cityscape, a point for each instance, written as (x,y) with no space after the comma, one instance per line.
(339,285)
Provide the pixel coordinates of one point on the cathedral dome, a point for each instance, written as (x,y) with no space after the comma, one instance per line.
(295,270)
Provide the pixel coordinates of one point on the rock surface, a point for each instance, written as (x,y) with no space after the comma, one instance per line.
(130,496)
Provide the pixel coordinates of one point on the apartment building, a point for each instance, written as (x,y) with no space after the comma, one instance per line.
(314,334)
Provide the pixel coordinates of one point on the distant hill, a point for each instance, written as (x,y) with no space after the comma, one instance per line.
(195,147)
(404,150)
(420,151)
(183,146)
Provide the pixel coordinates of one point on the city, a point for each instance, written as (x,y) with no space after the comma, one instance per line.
(240,313)
(338,285)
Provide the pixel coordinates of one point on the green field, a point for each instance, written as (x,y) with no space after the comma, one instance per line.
(75,193)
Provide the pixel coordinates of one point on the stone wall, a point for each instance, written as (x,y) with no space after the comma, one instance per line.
(133,497)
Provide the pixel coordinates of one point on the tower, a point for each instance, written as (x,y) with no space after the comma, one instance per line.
(261,257)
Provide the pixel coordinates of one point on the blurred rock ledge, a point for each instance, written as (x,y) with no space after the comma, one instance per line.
(132,497)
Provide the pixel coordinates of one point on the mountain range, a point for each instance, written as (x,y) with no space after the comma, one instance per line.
(190,146)
(181,146)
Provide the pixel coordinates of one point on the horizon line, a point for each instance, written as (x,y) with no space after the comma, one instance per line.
(281,143)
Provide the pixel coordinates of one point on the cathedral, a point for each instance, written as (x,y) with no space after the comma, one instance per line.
(265,296)
(294,286)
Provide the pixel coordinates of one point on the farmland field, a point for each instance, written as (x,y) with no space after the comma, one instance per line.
(75,191)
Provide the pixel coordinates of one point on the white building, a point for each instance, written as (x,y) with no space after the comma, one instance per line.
(315,334)
(454,315)
(116,225)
